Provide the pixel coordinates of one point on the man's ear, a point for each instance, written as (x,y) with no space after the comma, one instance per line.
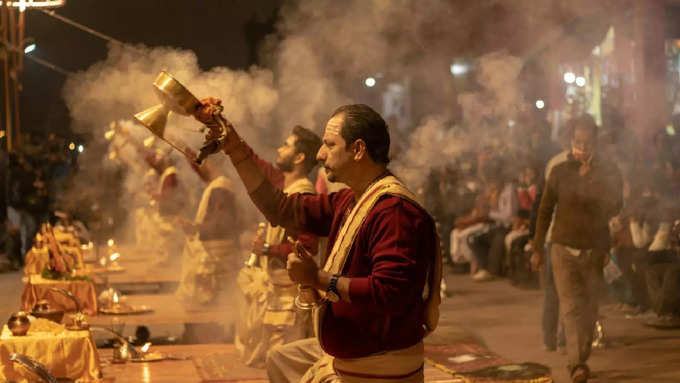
(359,149)
(299,158)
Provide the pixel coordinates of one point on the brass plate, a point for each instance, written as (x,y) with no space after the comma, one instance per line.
(126,310)
(150,357)
(72,327)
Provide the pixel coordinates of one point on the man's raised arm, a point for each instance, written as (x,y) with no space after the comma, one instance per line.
(232,144)
(299,213)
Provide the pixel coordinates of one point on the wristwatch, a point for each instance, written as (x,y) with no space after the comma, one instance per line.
(265,249)
(332,293)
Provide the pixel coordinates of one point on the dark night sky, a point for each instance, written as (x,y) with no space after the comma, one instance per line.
(220,32)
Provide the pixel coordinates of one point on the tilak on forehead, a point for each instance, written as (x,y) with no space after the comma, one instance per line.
(334,125)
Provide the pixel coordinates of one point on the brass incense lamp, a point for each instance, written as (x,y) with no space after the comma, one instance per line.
(176,98)
(77,320)
(42,309)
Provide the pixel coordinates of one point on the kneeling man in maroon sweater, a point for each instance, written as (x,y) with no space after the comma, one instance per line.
(379,285)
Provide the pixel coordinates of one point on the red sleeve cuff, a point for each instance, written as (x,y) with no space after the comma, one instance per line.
(281,250)
(360,290)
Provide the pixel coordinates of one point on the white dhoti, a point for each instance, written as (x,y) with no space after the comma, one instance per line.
(460,248)
(208,266)
(303,361)
(269,316)
(251,337)
(207,269)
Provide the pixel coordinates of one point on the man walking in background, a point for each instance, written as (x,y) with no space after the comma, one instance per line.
(584,192)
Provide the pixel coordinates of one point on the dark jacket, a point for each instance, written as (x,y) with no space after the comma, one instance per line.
(584,205)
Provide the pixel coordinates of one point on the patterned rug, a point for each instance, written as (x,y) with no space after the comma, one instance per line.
(474,363)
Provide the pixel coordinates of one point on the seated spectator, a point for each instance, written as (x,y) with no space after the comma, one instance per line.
(475,223)
(526,195)
(527,189)
(663,283)
(631,233)
(489,247)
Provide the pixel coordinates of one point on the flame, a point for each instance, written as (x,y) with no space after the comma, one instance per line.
(108,135)
(115,298)
(114,256)
(146,346)
(148,142)
(110,242)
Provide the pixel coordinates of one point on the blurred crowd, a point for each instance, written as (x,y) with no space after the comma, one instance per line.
(486,206)
(33,180)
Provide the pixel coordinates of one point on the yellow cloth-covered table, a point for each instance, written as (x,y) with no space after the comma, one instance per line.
(66,354)
(36,260)
(38,288)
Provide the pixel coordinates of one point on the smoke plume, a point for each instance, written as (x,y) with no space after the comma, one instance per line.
(318,58)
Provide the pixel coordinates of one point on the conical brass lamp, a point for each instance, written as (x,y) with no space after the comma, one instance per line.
(175,98)
(154,118)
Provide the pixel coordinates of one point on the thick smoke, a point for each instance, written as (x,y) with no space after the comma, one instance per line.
(120,86)
(438,143)
(323,51)
(319,56)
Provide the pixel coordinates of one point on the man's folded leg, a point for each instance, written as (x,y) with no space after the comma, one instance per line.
(289,362)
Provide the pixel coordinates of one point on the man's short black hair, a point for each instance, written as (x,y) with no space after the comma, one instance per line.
(307,143)
(584,121)
(362,122)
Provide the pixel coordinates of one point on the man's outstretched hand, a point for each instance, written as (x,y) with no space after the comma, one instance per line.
(206,110)
(208,113)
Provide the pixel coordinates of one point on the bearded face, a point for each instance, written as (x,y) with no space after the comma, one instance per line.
(285,159)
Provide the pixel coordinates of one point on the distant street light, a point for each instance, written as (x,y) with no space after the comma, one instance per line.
(540,104)
(458,69)
(29,48)
(580,81)
(569,77)
(370,82)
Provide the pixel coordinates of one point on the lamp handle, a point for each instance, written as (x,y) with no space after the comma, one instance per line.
(34,366)
(213,146)
(68,295)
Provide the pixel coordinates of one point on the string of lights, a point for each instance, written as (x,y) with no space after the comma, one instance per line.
(82,27)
